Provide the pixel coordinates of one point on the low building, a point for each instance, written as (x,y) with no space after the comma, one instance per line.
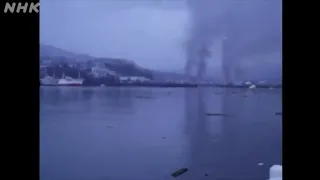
(100,72)
(133,79)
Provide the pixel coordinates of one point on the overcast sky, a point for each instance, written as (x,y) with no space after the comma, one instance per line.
(149,32)
(153,33)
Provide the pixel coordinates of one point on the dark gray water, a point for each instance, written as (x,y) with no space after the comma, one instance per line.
(148,133)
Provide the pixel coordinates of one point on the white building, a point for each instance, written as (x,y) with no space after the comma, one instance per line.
(133,79)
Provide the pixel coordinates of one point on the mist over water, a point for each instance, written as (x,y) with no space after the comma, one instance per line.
(244,28)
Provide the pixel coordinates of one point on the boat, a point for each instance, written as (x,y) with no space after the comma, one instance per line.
(48,80)
(69,81)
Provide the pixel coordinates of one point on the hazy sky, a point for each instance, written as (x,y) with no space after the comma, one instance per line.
(153,33)
(150,33)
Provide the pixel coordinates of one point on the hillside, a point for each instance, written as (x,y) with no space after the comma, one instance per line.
(47,51)
(50,56)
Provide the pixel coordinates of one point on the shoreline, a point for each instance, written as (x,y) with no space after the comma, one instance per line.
(162,85)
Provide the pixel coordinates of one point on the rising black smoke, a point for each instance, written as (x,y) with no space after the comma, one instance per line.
(250,27)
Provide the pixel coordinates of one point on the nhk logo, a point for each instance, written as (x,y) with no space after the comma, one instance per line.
(20,8)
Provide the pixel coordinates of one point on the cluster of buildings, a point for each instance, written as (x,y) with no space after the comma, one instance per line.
(97,71)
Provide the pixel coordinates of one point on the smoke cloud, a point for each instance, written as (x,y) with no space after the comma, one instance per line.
(249,27)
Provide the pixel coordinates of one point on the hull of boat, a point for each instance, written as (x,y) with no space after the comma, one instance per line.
(64,82)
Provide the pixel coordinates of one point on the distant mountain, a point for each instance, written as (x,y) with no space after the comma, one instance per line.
(121,67)
(47,51)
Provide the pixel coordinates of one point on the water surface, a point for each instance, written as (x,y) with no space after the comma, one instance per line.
(148,133)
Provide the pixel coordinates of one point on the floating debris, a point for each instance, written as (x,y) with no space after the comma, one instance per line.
(179,172)
(260,164)
(205,174)
(278,113)
(216,114)
(109,126)
(164,137)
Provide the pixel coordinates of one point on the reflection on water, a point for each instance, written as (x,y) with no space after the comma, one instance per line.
(231,146)
(147,133)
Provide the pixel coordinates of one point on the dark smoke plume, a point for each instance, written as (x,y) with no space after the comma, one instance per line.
(250,27)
